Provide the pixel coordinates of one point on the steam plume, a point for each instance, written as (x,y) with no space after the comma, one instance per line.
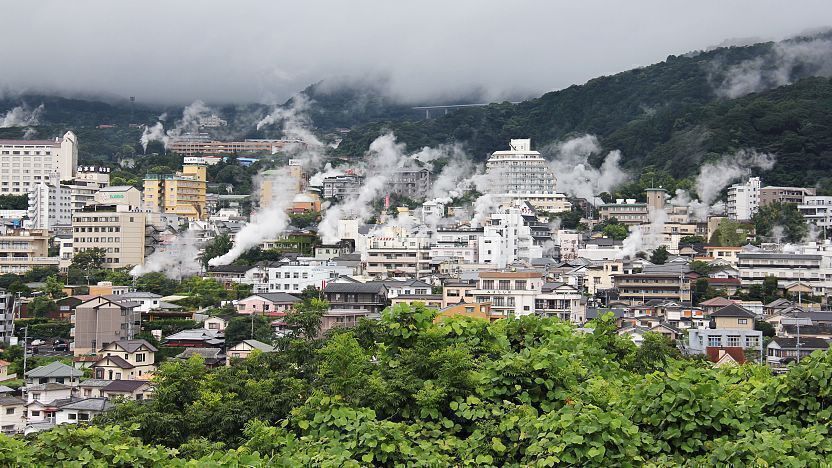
(21,116)
(576,176)
(265,224)
(177,260)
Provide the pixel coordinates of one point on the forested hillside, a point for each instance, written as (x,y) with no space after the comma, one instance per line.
(670,116)
(406,391)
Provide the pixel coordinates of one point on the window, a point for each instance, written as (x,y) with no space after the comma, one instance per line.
(742,321)
(505,284)
(733,340)
(714,341)
(35,413)
(140,356)
(72,416)
(9,410)
(36,396)
(83,417)
(488,284)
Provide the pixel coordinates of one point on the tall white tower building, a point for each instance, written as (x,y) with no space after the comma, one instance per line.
(522,174)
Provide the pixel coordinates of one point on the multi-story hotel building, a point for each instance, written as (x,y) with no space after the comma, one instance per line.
(201,145)
(24,163)
(523,174)
(182,194)
(124,232)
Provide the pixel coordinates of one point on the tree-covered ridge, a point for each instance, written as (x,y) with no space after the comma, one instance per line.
(407,391)
(668,116)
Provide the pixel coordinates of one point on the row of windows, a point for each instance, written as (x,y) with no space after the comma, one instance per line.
(98,229)
(82,240)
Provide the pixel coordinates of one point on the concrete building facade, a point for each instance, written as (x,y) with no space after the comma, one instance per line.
(24,163)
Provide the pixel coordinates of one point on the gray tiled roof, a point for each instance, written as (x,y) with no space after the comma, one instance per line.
(54,369)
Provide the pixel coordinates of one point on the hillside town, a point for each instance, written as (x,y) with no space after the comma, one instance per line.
(105,282)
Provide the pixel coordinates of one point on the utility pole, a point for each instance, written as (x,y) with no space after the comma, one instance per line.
(25,354)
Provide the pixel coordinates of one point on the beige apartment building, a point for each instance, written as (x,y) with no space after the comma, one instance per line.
(182,194)
(103,320)
(123,232)
(197,145)
(24,249)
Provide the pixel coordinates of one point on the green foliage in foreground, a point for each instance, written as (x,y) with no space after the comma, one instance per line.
(407,392)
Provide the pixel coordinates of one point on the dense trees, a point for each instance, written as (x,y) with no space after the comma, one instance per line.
(659,255)
(780,222)
(408,391)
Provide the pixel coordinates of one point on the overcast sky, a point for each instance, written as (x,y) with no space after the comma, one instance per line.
(176,51)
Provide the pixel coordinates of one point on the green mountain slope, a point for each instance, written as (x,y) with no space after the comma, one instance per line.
(668,115)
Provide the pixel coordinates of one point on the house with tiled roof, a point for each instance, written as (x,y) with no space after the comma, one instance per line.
(126,359)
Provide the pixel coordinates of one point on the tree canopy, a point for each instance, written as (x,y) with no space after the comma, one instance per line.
(409,390)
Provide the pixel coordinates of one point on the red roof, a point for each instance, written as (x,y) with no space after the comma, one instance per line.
(716,352)
(4,363)
(731,281)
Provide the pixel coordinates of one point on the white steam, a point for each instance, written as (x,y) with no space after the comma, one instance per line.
(715,176)
(192,115)
(177,260)
(576,177)
(21,116)
(785,62)
(265,224)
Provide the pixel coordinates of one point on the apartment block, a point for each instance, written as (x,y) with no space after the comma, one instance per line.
(794,195)
(50,206)
(561,301)
(744,199)
(398,256)
(786,267)
(817,210)
(103,320)
(125,233)
(511,293)
(6,316)
(520,173)
(24,163)
(342,186)
(625,211)
(24,249)
(202,145)
(411,183)
(638,288)
(182,194)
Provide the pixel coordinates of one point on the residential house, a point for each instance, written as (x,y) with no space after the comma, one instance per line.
(431,300)
(47,392)
(455,292)
(54,372)
(91,388)
(196,338)
(268,304)
(733,327)
(4,371)
(782,350)
(212,357)
(81,411)
(128,389)
(215,324)
(712,305)
(126,359)
(244,349)
(349,302)
(722,356)
(12,415)
(479,310)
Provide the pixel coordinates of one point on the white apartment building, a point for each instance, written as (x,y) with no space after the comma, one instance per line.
(50,205)
(786,267)
(459,243)
(511,293)
(562,301)
(293,278)
(507,239)
(817,210)
(88,181)
(24,163)
(744,199)
(569,242)
(522,174)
